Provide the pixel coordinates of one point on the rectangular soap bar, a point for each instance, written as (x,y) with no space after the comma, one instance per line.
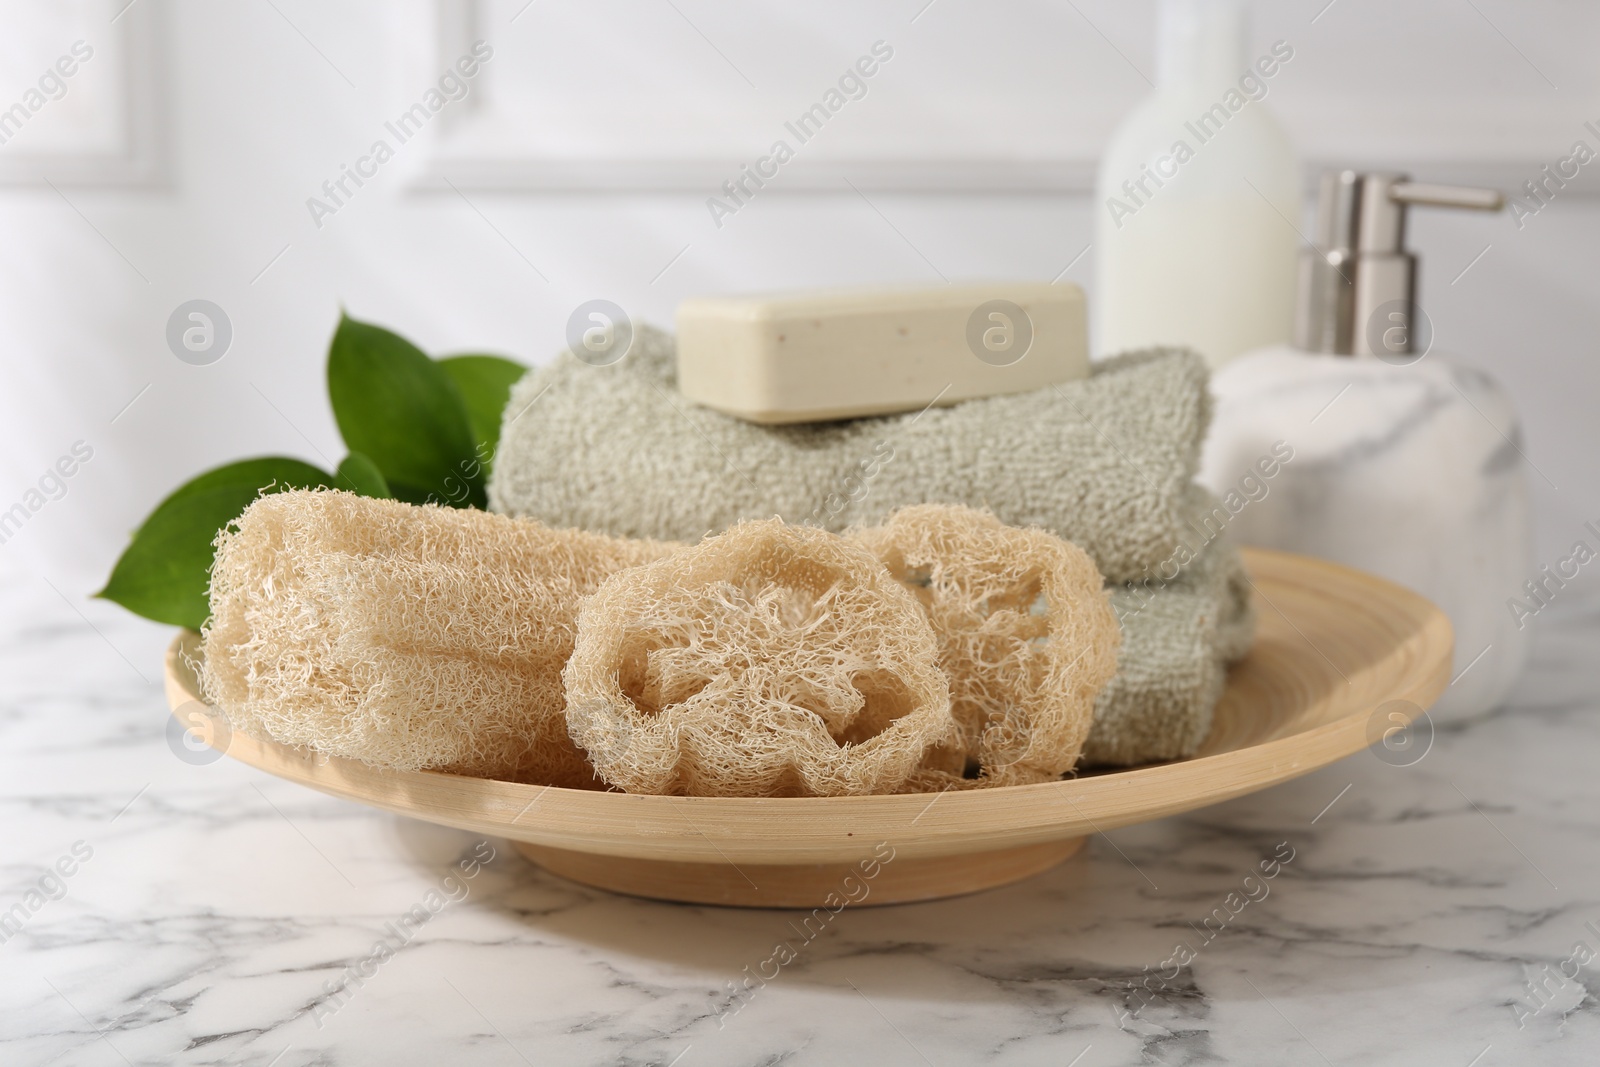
(807,357)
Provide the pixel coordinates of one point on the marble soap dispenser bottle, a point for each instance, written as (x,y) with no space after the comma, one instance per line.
(1404,464)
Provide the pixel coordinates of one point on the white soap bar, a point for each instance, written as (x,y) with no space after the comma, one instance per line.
(834,355)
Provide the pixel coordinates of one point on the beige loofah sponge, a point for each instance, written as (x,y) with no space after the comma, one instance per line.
(407,637)
(1026,635)
(770,660)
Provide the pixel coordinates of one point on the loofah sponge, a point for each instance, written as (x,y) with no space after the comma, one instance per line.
(1105,463)
(770,660)
(1026,636)
(407,637)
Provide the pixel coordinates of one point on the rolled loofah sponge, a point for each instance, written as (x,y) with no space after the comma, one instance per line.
(1026,636)
(770,660)
(406,637)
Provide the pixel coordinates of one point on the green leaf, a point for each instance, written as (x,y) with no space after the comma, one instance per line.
(165,573)
(485,383)
(403,411)
(361,476)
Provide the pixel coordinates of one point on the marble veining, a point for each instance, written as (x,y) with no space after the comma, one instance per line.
(1410,472)
(1425,916)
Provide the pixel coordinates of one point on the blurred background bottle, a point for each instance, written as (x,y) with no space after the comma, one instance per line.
(1199,196)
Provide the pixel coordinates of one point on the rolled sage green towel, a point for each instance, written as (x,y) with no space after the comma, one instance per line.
(1104,462)
(1178,638)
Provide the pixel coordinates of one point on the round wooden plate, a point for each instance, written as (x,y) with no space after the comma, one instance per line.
(1338,655)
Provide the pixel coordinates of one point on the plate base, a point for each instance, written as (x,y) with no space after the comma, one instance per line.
(802,885)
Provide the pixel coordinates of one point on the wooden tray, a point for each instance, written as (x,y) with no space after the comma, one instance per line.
(1333,646)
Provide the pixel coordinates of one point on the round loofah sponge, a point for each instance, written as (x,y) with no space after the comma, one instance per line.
(408,637)
(770,660)
(1026,635)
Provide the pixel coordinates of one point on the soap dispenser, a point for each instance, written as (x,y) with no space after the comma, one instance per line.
(1399,462)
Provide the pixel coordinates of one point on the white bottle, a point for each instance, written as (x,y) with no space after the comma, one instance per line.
(1199,196)
(1403,464)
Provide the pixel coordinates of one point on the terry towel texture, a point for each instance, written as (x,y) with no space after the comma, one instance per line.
(1177,639)
(1106,463)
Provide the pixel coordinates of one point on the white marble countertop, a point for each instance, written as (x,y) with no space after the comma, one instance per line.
(209,910)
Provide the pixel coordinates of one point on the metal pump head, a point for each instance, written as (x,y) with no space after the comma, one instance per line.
(1358,286)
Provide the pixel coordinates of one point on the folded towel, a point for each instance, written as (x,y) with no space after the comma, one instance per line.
(1106,463)
(1177,639)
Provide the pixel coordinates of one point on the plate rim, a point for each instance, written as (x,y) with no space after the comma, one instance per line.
(841,829)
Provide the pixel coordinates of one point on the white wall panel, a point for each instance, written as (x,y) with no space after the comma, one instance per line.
(1017,95)
(252,106)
